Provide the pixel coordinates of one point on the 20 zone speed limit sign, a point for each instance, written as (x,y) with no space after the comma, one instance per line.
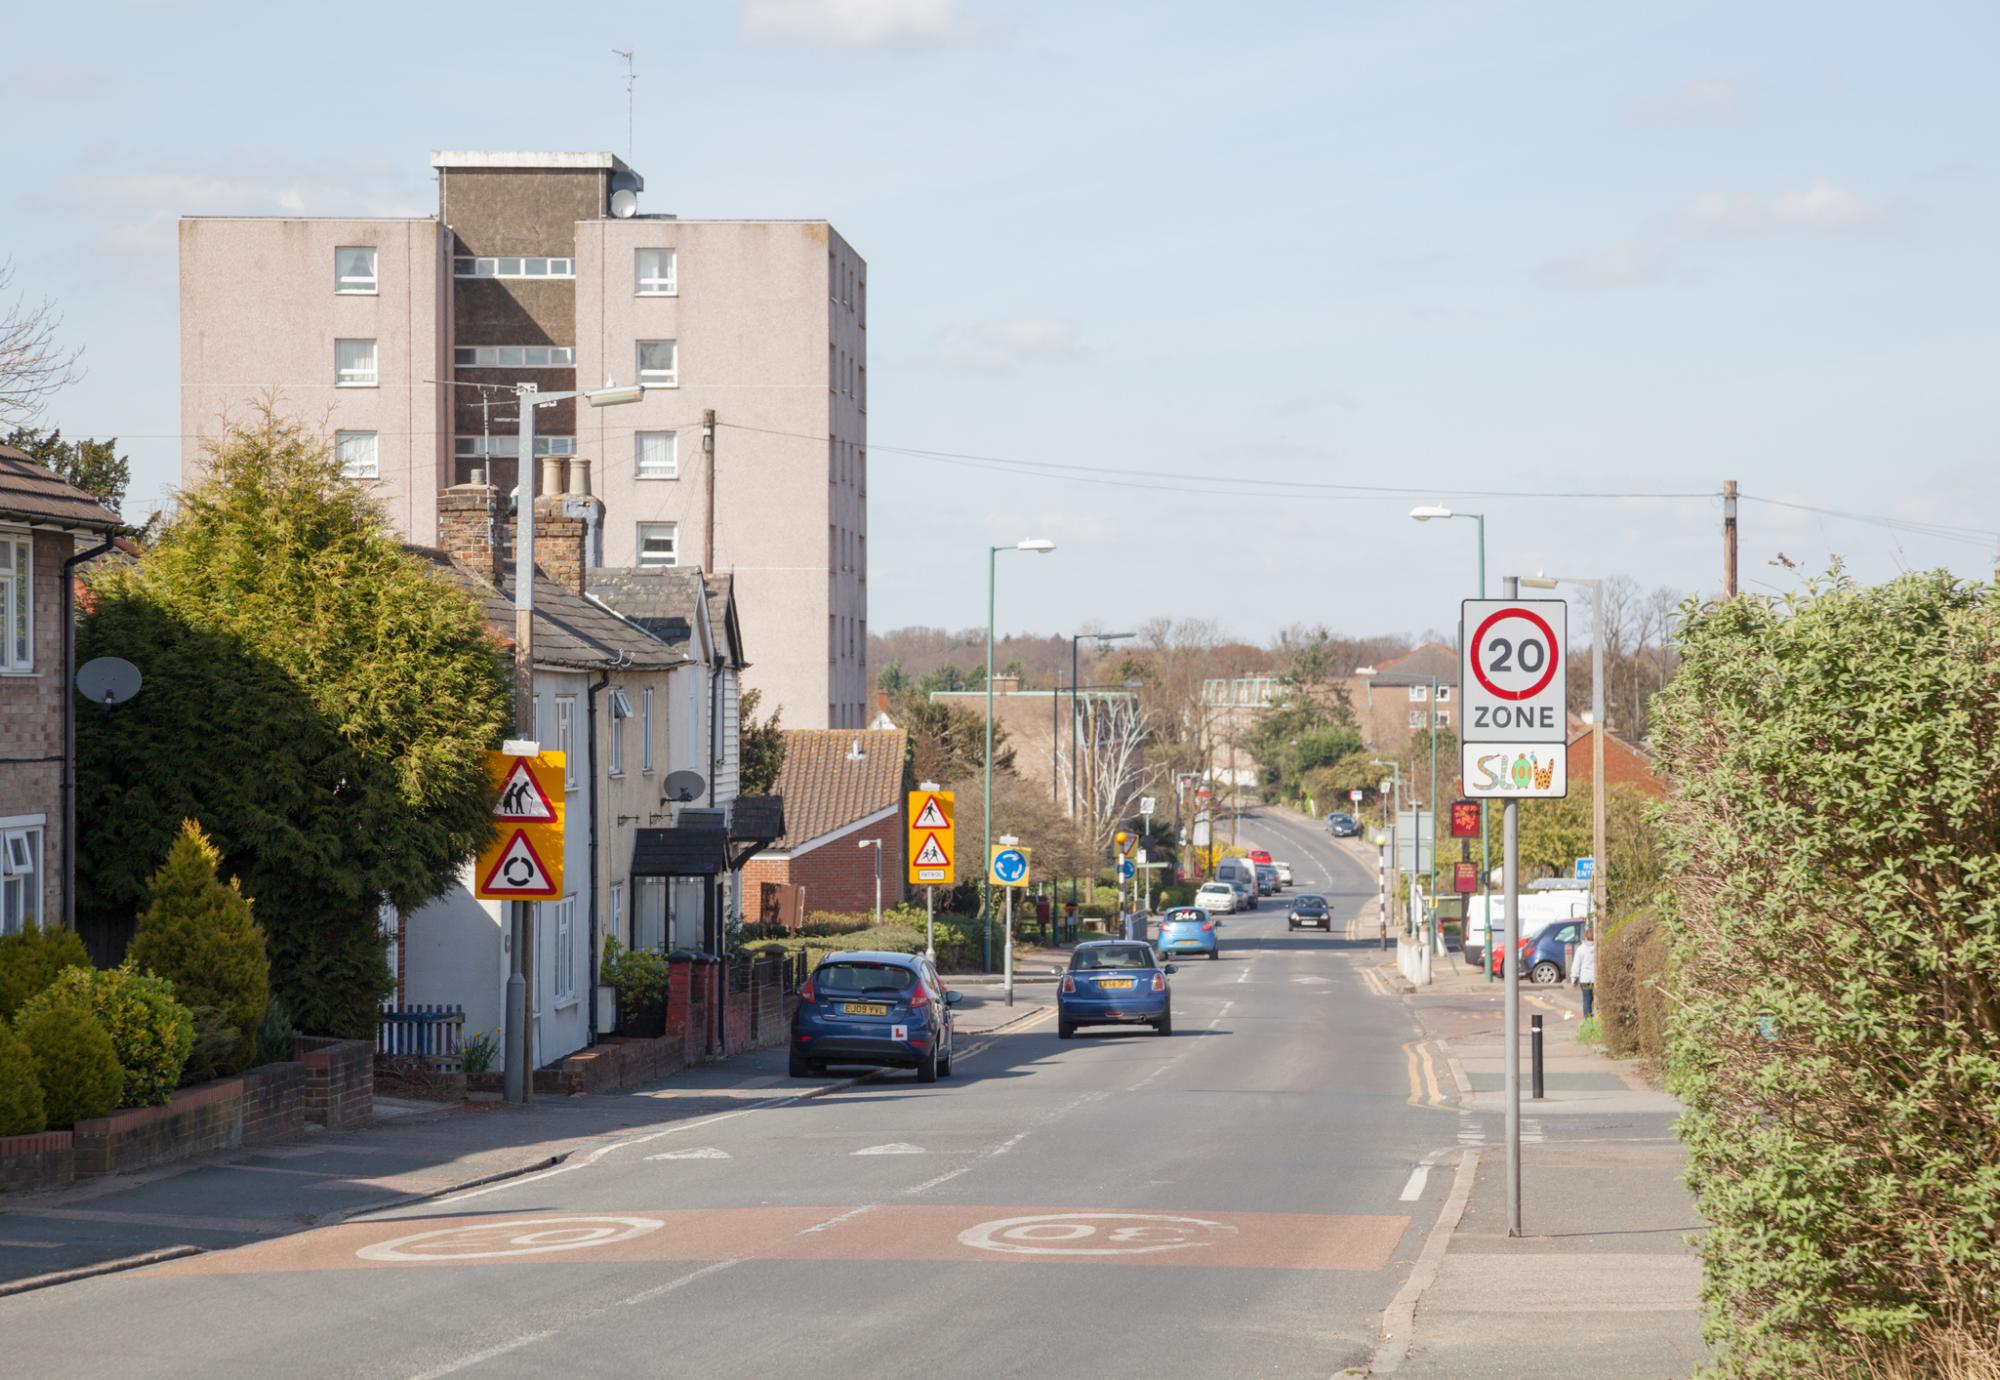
(1513,675)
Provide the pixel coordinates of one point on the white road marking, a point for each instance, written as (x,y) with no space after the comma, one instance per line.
(893,1148)
(1057,1233)
(647,1295)
(707,1152)
(1217,1019)
(509,1239)
(1414,1189)
(944,1178)
(830,1222)
(485,1354)
(1008,1144)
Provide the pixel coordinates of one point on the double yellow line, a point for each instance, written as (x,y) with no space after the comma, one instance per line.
(1424,1089)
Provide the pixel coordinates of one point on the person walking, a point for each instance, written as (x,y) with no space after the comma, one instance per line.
(1583,973)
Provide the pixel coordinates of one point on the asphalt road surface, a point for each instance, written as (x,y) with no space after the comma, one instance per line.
(1242,1198)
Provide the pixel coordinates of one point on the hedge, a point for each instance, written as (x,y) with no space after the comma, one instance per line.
(151,1033)
(30,960)
(22,1111)
(75,1062)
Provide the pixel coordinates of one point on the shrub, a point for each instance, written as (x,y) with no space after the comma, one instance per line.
(22,1112)
(30,960)
(219,1048)
(75,1062)
(640,975)
(1617,996)
(277,1039)
(198,935)
(151,1033)
(1834,915)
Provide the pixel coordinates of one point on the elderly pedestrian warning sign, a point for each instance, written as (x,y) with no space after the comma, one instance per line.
(522,798)
(519,872)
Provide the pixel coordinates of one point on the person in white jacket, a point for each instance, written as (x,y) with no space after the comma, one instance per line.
(1583,972)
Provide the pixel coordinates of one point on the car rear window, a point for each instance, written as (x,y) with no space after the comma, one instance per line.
(1185,915)
(1112,956)
(845,978)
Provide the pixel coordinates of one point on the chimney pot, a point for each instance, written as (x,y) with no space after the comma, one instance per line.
(579,476)
(551,474)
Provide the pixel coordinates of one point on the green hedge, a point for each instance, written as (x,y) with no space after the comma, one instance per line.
(30,960)
(151,1033)
(22,1110)
(75,1061)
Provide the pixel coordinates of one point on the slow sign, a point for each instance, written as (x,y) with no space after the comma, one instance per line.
(1516,698)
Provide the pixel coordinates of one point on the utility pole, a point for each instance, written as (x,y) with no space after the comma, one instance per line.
(1728,541)
(518,1077)
(708,482)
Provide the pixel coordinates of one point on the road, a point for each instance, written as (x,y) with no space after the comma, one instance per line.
(1245,1197)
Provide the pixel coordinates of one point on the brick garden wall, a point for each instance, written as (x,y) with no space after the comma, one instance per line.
(339,1081)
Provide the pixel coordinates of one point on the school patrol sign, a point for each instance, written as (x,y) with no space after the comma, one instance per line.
(932,834)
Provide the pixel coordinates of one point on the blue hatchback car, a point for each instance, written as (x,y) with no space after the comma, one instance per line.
(1114,982)
(888,1010)
(1188,930)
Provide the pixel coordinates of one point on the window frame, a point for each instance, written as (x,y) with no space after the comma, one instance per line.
(565,710)
(562,982)
(617,929)
(374,279)
(1444,694)
(520,261)
(1420,694)
(673,468)
(640,281)
(374,379)
(374,471)
(639,545)
(1417,719)
(498,447)
(614,736)
(555,357)
(646,732)
(23,884)
(672,374)
(17,604)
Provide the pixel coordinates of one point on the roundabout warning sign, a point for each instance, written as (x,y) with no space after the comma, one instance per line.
(1516,698)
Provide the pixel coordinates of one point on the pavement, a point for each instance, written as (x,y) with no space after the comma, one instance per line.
(1297,1182)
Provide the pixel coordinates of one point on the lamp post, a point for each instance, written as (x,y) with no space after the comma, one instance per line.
(1103,640)
(1426,513)
(517,1080)
(876,844)
(1395,813)
(1040,546)
(1598,887)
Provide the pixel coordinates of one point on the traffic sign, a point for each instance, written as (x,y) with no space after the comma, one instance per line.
(1125,869)
(1512,672)
(1009,866)
(1465,819)
(1146,804)
(1514,771)
(932,838)
(1124,841)
(1586,869)
(524,859)
(1354,796)
(1465,877)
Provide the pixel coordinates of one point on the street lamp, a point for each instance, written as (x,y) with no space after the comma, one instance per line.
(876,844)
(1598,887)
(1395,817)
(1103,640)
(1429,511)
(1041,546)
(517,1081)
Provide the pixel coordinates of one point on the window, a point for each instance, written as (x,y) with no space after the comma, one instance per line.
(354,269)
(566,738)
(514,356)
(1419,694)
(658,547)
(646,730)
(1443,718)
(1417,718)
(560,917)
(861,396)
(659,364)
(20,878)
(621,710)
(863,304)
(863,562)
(354,363)
(509,447)
(17,602)
(513,268)
(356,450)
(1444,694)
(655,271)
(617,930)
(649,915)
(655,455)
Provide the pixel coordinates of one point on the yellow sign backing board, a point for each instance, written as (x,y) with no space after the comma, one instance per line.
(931,838)
(524,859)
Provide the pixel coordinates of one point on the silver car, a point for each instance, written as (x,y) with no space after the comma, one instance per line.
(1217,897)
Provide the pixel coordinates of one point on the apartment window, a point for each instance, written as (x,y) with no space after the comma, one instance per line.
(1444,694)
(617,930)
(20,878)
(514,356)
(354,269)
(509,447)
(655,455)
(832,369)
(646,729)
(566,738)
(861,389)
(655,272)
(1417,718)
(659,364)
(1419,694)
(513,268)
(354,363)
(863,304)
(832,643)
(863,562)
(17,603)
(621,710)
(560,917)
(649,915)
(356,450)
(1444,718)
(658,545)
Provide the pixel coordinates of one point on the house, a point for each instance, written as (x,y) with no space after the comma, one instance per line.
(1625,764)
(41,520)
(1040,725)
(843,793)
(1392,701)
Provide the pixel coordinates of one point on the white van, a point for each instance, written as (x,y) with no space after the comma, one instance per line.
(1537,909)
(1240,873)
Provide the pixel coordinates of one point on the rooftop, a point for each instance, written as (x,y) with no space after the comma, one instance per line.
(570,631)
(29,493)
(833,777)
(525,160)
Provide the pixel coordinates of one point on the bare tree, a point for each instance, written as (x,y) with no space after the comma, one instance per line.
(1111,762)
(32,365)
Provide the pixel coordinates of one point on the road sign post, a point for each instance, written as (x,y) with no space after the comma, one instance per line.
(1007,869)
(523,863)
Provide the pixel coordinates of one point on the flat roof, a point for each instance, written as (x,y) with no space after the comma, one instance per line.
(519,158)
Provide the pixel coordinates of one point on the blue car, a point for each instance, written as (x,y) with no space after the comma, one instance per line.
(1114,982)
(885,1010)
(1188,930)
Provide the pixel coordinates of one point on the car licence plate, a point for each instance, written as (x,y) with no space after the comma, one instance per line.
(863,1008)
(1114,982)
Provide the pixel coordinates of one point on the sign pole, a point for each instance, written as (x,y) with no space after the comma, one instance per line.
(930,923)
(1010,946)
(1510,864)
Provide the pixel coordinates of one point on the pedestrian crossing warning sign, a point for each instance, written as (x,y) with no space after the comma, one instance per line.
(930,816)
(522,797)
(518,872)
(931,838)
(931,855)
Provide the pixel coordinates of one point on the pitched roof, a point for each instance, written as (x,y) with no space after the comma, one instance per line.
(666,602)
(1433,659)
(570,631)
(835,776)
(722,617)
(33,494)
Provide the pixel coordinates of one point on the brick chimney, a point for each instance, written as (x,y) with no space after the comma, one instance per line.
(1006,685)
(565,518)
(468,519)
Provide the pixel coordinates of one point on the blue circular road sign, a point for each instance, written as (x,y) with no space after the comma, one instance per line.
(1010,864)
(1125,869)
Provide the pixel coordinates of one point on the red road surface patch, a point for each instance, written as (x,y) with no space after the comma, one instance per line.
(1022,1235)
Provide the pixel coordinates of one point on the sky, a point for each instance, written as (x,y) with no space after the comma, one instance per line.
(1156,280)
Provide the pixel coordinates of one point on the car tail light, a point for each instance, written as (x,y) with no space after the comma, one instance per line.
(806,993)
(1159,982)
(919,998)
(1208,924)
(1069,983)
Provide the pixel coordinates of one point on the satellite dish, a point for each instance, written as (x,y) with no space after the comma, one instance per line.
(107,680)
(624,203)
(684,786)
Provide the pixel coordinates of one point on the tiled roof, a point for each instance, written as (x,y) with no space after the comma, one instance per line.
(722,618)
(1419,666)
(570,631)
(835,776)
(665,602)
(30,493)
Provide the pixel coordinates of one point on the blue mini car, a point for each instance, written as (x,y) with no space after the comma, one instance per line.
(1114,982)
(888,1010)
(1188,930)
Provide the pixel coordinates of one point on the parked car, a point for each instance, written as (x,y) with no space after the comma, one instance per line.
(1343,826)
(1310,909)
(1114,982)
(1258,855)
(1545,952)
(1539,907)
(1284,873)
(1217,896)
(1267,880)
(1241,874)
(882,1009)
(1187,930)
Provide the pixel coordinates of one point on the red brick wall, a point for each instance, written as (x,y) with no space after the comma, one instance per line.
(206,1117)
(840,875)
(43,1160)
(339,1081)
(274,1102)
(31,742)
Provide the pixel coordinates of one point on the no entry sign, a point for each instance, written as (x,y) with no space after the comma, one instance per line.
(1515,686)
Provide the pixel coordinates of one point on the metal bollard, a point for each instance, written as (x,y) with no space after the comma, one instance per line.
(1535,1053)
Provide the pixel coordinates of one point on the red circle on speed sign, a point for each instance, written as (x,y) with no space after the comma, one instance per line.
(1548,639)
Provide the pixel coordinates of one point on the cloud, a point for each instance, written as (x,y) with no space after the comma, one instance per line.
(140,211)
(856,23)
(1699,100)
(1007,345)
(1617,266)
(1821,206)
